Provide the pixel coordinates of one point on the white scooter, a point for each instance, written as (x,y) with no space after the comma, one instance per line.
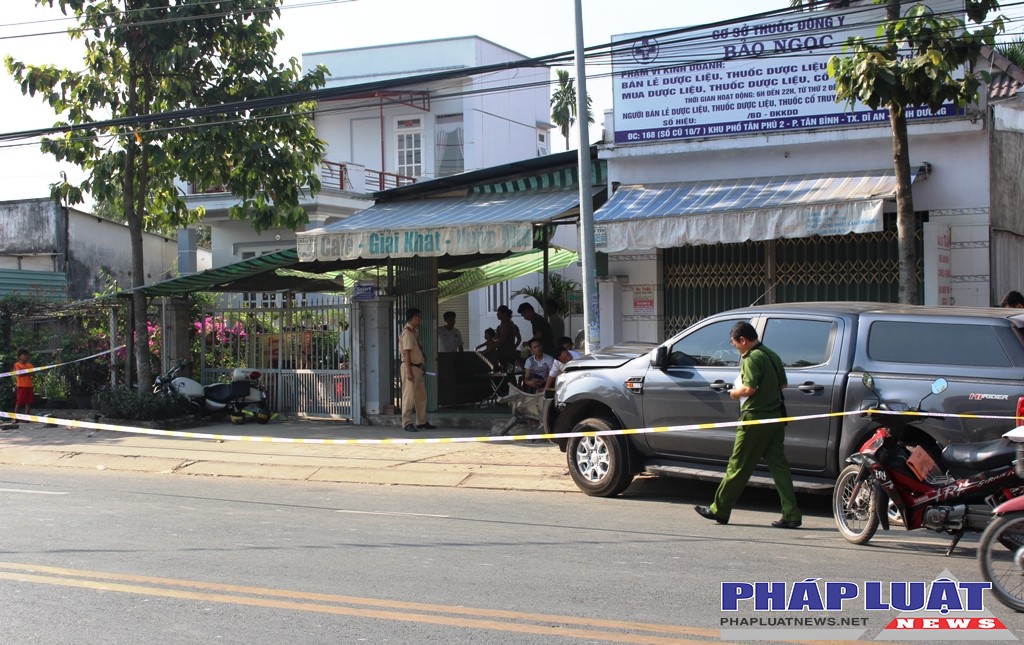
(244,392)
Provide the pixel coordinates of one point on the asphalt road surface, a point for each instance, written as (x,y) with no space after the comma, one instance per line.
(110,558)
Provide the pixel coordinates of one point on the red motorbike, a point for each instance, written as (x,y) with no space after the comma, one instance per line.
(1000,550)
(951,492)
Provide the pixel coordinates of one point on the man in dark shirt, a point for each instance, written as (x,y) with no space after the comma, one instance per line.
(541,328)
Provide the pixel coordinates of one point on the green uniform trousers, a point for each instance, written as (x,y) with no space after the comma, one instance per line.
(753,444)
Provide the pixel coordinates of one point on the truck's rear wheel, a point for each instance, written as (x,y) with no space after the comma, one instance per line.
(598,465)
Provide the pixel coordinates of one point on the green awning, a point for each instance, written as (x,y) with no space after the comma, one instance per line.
(466,281)
(502,270)
(282,271)
(216,279)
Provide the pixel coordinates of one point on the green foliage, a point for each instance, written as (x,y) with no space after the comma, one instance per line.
(147,58)
(919,58)
(1013,50)
(134,405)
(559,290)
(563,105)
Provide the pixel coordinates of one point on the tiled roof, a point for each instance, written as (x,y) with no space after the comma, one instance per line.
(1007,78)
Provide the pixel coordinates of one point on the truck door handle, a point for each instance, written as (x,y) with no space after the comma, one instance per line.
(810,386)
(720,386)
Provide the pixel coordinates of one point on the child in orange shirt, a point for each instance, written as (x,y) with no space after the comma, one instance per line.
(23,386)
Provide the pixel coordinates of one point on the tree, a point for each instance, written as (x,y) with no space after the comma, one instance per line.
(147,57)
(917,59)
(563,105)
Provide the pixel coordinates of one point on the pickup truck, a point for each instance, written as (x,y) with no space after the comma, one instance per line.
(826,348)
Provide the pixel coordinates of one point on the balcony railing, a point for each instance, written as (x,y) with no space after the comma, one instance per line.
(348,177)
(359,179)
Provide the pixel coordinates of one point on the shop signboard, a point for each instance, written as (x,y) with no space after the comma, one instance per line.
(467,239)
(763,75)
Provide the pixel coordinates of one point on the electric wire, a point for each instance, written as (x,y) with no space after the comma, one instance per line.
(688,46)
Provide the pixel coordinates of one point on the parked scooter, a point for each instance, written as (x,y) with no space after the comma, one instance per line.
(242,395)
(952,492)
(1001,548)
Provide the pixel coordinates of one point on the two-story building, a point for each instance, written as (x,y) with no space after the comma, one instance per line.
(397,136)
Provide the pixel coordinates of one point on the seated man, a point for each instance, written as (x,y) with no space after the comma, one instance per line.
(564,357)
(537,367)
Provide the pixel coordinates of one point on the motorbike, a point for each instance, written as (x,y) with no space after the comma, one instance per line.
(1000,550)
(952,491)
(243,395)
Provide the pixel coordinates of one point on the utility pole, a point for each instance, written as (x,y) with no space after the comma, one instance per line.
(591,309)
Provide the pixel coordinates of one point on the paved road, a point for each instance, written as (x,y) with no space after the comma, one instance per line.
(129,558)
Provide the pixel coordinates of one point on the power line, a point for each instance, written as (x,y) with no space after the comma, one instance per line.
(685,43)
(160,21)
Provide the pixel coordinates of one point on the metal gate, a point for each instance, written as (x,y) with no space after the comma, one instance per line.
(704,280)
(302,343)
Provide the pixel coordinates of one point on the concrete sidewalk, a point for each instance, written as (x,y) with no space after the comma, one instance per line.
(513,466)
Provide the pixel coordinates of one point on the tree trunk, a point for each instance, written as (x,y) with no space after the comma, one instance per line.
(131,200)
(906,225)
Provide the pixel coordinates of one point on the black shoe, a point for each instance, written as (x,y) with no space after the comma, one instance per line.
(410,428)
(787,524)
(427,426)
(704,511)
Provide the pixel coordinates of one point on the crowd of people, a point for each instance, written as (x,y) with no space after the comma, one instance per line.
(538,358)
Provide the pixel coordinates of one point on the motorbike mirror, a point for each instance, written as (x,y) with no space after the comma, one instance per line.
(1016,435)
(939,385)
(868,381)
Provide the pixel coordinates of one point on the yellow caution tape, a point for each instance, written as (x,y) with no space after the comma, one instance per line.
(71,423)
(50,367)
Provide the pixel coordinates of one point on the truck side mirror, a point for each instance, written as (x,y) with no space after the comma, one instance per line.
(659,358)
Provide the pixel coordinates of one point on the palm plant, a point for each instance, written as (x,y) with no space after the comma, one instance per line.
(559,289)
(1013,50)
(563,105)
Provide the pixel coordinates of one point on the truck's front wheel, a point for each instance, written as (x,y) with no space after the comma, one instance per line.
(598,465)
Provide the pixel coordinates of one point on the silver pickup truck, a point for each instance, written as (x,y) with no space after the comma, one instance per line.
(826,347)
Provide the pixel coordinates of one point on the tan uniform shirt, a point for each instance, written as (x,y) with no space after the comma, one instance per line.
(410,340)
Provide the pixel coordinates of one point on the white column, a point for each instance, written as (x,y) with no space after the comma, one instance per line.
(609,291)
(377,354)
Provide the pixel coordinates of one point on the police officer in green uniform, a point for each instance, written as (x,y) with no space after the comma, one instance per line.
(760,397)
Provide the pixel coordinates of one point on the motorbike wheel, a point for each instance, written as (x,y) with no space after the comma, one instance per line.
(236,419)
(263,414)
(598,465)
(857,518)
(1002,566)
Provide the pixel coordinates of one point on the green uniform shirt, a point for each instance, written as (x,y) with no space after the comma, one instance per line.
(762,368)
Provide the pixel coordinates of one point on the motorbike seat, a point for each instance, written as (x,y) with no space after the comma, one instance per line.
(977,457)
(225,392)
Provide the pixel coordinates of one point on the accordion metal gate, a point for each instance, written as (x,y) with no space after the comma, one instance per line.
(703,280)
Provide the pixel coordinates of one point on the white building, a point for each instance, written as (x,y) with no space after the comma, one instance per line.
(741,181)
(407,132)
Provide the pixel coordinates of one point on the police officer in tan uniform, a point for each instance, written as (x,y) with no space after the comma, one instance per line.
(414,386)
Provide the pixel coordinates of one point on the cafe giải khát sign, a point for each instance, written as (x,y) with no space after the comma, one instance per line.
(466,239)
(759,76)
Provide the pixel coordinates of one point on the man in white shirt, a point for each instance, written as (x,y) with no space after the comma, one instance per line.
(449,338)
(537,367)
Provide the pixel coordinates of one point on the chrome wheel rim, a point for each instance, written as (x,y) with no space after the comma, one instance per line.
(853,514)
(592,459)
